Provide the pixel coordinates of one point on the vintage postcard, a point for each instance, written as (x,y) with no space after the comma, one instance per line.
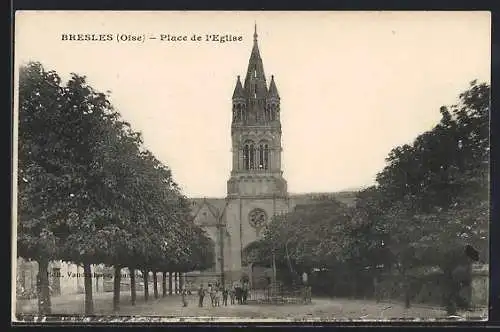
(251,166)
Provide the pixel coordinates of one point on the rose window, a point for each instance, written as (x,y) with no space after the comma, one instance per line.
(257,218)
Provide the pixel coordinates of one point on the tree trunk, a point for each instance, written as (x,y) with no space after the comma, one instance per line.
(133,293)
(145,274)
(170,283)
(405,282)
(450,293)
(176,276)
(407,298)
(117,288)
(155,284)
(376,290)
(354,287)
(407,289)
(181,283)
(164,284)
(89,303)
(44,305)
(292,271)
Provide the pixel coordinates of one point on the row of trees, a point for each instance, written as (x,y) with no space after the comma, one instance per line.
(430,202)
(89,192)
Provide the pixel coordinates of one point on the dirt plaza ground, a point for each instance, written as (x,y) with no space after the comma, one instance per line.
(171,306)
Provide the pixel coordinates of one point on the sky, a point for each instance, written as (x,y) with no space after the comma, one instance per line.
(353,85)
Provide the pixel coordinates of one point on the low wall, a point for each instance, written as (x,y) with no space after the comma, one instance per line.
(480,285)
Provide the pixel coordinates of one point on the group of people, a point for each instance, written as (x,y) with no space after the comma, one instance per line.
(219,294)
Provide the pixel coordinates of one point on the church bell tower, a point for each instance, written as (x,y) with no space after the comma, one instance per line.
(256,189)
(256,134)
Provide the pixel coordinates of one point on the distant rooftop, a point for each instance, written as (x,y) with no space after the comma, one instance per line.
(292,195)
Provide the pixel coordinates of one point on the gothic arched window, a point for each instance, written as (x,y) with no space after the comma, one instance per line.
(263,153)
(266,156)
(249,155)
(237,112)
(261,156)
(252,156)
(243,113)
(246,159)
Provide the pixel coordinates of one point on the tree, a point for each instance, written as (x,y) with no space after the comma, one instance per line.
(432,197)
(47,171)
(89,192)
(309,237)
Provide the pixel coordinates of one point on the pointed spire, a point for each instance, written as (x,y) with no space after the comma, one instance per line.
(255,80)
(238,90)
(255,33)
(273,91)
(255,49)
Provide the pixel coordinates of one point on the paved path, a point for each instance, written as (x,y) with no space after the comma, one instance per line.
(171,306)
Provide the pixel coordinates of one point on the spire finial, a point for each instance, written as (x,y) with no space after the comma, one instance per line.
(255,32)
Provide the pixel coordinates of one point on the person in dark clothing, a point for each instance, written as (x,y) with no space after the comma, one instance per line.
(238,293)
(201,295)
(244,296)
(225,293)
(244,292)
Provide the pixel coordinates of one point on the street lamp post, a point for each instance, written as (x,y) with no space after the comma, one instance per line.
(274,268)
(221,236)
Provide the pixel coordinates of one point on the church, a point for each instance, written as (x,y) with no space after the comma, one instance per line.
(256,188)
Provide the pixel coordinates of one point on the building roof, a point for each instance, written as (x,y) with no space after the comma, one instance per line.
(238,89)
(273,91)
(216,206)
(346,197)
